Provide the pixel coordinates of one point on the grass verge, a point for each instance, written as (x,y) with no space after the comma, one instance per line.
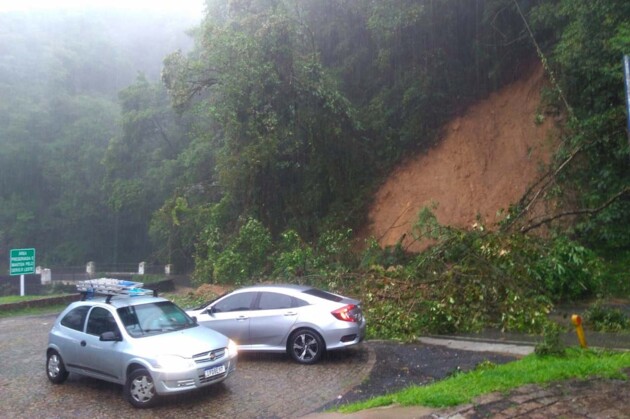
(489,378)
(17,298)
(33,311)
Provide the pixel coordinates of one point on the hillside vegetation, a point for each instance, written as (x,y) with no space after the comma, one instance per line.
(260,151)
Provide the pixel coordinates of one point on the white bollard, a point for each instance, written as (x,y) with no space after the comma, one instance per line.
(46,277)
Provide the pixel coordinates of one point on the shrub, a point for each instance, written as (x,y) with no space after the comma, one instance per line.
(606,319)
(566,269)
(295,257)
(551,343)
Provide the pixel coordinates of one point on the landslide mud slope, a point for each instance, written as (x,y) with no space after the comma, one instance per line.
(485,161)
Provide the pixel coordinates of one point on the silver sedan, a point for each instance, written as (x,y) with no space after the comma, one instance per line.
(300,320)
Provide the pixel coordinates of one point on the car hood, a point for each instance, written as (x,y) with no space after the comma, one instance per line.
(184,343)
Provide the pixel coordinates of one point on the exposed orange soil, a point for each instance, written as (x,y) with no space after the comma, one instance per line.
(486,160)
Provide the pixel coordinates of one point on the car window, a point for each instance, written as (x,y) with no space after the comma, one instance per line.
(274,301)
(75,318)
(297,302)
(236,302)
(101,321)
(323,294)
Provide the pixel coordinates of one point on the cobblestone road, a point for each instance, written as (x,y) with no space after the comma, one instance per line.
(264,386)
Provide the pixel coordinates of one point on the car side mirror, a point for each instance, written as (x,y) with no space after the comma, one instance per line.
(110,337)
(210,311)
(194,319)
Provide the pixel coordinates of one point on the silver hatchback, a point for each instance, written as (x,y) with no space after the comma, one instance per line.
(300,320)
(147,344)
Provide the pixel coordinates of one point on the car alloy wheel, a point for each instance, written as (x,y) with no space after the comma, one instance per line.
(306,346)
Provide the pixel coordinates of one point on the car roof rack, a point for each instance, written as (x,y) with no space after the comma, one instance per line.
(110,287)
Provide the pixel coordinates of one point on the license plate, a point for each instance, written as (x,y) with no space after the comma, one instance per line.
(211,372)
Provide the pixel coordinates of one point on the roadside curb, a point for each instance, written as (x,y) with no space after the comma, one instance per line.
(478,346)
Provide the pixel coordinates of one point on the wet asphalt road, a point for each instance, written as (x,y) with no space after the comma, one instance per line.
(264,385)
(401,365)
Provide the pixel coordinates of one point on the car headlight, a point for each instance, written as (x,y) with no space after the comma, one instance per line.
(173,363)
(232,348)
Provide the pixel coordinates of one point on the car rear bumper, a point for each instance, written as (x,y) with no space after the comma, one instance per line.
(352,334)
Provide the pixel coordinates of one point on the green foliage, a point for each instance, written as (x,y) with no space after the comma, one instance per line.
(245,256)
(587,41)
(252,253)
(606,319)
(551,343)
(468,280)
(294,257)
(617,281)
(567,270)
(334,250)
(374,255)
(390,317)
(471,280)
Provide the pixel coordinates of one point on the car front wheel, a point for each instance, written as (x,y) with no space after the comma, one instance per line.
(140,390)
(306,346)
(55,368)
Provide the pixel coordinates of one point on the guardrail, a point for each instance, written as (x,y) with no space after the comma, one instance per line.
(165,285)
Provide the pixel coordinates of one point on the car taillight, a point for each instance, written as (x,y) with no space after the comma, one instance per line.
(349,313)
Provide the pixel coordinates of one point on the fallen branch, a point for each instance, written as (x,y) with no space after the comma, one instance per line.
(589,211)
(546,180)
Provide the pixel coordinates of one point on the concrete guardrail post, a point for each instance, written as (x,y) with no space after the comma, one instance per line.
(90,268)
(46,276)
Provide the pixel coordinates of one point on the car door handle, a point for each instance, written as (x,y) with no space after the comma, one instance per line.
(83,343)
(290,313)
(241,318)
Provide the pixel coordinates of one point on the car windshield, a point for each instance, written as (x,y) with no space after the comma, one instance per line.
(153,318)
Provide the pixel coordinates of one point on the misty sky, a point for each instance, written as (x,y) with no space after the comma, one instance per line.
(193,6)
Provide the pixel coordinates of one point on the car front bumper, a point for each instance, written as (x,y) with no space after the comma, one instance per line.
(170,382)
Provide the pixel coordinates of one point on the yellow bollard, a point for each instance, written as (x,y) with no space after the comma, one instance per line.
(577,322)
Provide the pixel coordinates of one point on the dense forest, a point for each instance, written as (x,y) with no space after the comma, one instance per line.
(60,78)
(257,151)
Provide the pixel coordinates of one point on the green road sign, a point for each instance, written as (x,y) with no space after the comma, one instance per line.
(22,261)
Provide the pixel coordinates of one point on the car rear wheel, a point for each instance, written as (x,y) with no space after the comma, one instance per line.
(55,368)
(306,346)
(140,390)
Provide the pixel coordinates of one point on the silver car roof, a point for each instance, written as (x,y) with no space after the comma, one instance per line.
(291,288)
(118,301)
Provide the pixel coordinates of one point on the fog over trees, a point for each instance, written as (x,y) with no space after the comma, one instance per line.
(61,72)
